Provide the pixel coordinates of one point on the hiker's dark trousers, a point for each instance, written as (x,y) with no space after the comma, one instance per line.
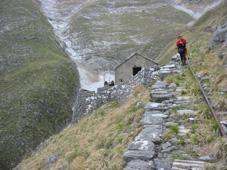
(182,52)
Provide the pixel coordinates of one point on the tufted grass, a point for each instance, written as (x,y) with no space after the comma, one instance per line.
(37,81)
(97,141)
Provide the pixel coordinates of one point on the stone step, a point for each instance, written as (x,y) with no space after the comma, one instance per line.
(155,106)
(130,155)
(159,85)
(142,145)
(150,118)
(188,164)
(161,95)
(139,165)
(150,133)
(162,164)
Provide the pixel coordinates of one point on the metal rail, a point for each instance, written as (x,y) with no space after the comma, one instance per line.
(221,130)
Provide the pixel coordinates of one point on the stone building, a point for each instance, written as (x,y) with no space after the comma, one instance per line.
(131,66)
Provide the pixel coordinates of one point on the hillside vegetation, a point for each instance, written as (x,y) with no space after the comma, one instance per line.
(207,62)
(106,31)
(38,81)
(96,142)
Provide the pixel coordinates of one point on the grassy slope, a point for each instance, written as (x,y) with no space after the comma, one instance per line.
(203,61)
(207,63)
(97,141)
(37,81)
(203,138)
(153,28)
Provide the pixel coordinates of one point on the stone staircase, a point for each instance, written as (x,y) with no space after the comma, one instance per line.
(148,151)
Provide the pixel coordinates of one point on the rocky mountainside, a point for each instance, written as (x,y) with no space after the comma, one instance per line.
(99,140)
(37,80)
(195,8)
(98,35)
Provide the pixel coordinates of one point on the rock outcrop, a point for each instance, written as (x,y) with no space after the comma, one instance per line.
(219,37)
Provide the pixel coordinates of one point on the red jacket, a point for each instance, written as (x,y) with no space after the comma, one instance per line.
(182,41)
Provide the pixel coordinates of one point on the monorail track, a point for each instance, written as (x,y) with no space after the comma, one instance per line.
(213,113)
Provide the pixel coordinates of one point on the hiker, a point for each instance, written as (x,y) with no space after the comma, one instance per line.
(111,83)
(106,83)
(182,50)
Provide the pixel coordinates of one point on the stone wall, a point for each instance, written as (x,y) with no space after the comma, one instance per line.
(88,101)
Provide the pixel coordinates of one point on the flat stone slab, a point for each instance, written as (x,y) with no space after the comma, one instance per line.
(150,133)
(162,164)
(157,114)
(142,145)
(186,112)
(162,95)
(155,106)
(183,100)
(150,119)
(159,85)
(188,164)
(139,165)
(137,154)
(169,66)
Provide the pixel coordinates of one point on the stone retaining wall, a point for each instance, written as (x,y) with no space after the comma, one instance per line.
(88,101)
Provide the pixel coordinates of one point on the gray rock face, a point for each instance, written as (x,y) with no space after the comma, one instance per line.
(219,36)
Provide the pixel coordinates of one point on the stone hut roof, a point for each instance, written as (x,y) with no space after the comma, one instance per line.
(127,59)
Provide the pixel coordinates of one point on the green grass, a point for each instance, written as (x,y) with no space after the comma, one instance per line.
(37,80)
(98,141)
(203,132)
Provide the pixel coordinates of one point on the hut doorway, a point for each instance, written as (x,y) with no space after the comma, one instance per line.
(135,70)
